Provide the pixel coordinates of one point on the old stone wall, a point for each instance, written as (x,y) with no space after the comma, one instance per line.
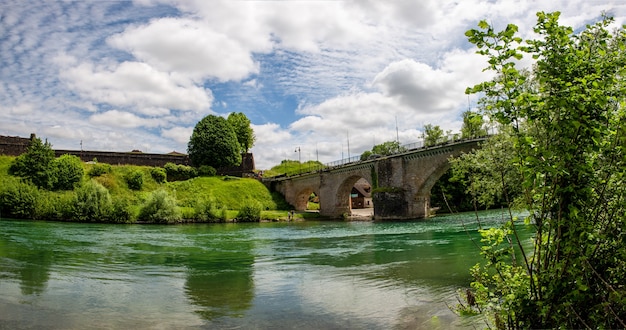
(15,146)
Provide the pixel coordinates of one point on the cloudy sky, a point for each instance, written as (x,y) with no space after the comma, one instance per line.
(330,77)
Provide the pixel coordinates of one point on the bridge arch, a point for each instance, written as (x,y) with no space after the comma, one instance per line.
(302,197)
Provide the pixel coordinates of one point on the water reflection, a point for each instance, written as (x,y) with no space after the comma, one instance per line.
(220,276)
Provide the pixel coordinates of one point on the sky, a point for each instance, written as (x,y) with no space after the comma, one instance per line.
(328,78)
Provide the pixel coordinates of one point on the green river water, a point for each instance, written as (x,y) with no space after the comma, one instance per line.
(282,275)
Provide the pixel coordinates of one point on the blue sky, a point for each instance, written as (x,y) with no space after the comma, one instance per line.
(319,75)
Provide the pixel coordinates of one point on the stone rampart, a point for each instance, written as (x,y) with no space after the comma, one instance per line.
(15,146)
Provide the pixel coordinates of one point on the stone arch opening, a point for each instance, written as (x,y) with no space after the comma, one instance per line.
(355,193)
(303,197)
(423,192)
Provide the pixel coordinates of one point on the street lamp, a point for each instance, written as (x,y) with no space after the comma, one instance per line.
(299,161)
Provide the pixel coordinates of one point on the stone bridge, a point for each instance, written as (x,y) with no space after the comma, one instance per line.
(400,183)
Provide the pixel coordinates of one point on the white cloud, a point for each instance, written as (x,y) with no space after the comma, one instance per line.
(178,134)
(137,85)
(187,47)
(115,118)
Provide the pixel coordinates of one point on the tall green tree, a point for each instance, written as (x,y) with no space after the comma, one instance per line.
(243,130)
(473,125)
(568,148)
(36,164)
(214,143)
(69,172)
(433,135)
(384,149)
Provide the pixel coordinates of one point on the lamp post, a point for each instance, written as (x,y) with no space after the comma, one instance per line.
(299,159)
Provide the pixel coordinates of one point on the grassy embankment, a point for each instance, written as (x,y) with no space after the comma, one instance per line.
(229,192)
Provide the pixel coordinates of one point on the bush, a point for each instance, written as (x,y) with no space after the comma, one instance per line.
(55,206)
(179,172)
(134,180)
(18,199)
(250,213)
(208,210)
(160,208)
(68,171)
(158,174)
(120,212)
(92,203)
(206,170)
(36,164)
(99,169)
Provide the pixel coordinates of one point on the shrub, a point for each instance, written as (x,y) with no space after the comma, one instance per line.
(179,172)
(134,180)
(18,199)
(36,164)
(99,169)
(120,212)
(55,206)
(206,170)
(209,210)
(68,170)
(249,213)
(158,174)
(92,203)
(160,208)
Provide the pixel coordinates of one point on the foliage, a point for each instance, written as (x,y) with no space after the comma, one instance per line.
(206,170)
(433,135)
(158,174)
(134,180)
(69,171)
(18,199)
(36,164)
(250,212)
(241,125)
(292,167)
(179,172)
(92,202)
(209,210)
(473,125)
(214,143)
(160,208)
(99,169)
(567,136)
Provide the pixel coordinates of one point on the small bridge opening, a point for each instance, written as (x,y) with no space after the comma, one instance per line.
(355,196)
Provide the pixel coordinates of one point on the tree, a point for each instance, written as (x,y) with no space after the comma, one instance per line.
(36,164)
(568,143)
(243,130)
(473,125)
(383,149)
(433,135)
(69,171)
(214,143)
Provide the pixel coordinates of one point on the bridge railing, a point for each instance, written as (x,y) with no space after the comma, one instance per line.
(421,144)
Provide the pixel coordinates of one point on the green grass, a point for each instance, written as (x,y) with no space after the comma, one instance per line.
(229,192)
(293,167)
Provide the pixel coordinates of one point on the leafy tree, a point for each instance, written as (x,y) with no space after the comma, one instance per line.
(241,125)
(473,125)
(433,135)
(160,208)
(36,164)
(92,203)
(567,147)
(68,171)
(384,149)
(214,143)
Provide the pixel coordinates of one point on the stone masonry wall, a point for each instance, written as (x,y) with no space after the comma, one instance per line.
(15,146)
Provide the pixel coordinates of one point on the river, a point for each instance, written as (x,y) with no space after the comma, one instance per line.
(286,275)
